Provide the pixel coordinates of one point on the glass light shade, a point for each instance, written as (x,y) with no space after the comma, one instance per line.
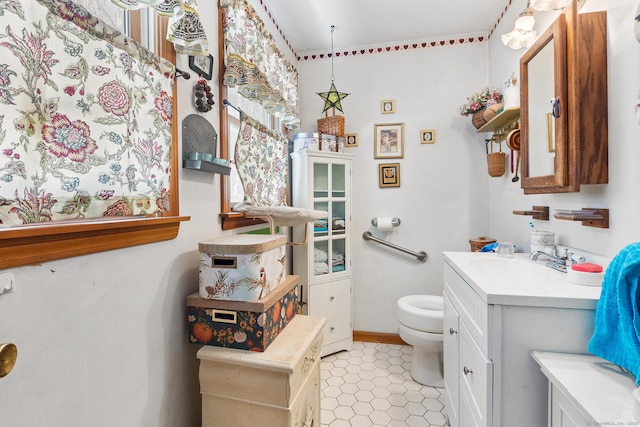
(525,21)
(544,5)
(523,34)
(518,39)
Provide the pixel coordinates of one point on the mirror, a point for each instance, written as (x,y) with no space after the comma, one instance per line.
(544,86)
(541,93)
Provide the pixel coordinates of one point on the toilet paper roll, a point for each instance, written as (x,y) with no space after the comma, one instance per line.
(385,223)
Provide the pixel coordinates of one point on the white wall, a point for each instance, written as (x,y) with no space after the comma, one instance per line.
(442,198)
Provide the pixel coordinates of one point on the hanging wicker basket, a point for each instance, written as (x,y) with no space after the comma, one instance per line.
(478,120)
(496,163)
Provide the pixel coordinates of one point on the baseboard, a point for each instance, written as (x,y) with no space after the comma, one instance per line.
(379,337)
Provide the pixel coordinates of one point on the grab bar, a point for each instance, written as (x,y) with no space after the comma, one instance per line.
(422,255)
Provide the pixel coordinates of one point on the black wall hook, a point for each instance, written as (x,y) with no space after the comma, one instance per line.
(180,73)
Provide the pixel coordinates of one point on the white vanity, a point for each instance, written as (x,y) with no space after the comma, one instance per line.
(586,391)
(496,312)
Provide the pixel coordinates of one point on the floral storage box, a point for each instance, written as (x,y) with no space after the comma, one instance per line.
(244,325)
(242,267)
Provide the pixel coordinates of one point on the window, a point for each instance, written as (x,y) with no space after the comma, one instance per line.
(34,243)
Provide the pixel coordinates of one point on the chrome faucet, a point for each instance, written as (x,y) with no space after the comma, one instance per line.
(553,255)
(557,262)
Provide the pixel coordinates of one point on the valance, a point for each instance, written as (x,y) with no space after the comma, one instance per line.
(185,29)
(254,64)
(85,130)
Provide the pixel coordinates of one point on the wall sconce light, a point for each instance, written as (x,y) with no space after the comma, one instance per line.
(523,34)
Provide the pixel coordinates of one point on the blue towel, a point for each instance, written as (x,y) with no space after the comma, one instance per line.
(616,337)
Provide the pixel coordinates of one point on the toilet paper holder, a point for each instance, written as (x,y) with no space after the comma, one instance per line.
(395,221)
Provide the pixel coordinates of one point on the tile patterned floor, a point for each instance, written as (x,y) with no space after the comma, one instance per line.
(371,386)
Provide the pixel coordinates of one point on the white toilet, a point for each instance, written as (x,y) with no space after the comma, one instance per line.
(420,325)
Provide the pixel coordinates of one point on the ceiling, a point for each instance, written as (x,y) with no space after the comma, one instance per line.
(306,24)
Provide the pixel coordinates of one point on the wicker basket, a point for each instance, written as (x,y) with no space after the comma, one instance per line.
(496,163)
(478,120)
(480,242)
(492,111)
(331,125)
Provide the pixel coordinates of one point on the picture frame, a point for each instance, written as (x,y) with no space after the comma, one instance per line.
(428,136)
(388,106)
(389,141)
(351,140)
(389,174)
(203,65)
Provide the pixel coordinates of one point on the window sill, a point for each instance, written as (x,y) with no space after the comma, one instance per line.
(39,243)
(232,220)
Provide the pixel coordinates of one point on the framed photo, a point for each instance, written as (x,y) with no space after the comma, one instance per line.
(389,174)
(203,65)
(351,140)
(388,106)
(389,141)
(428,136)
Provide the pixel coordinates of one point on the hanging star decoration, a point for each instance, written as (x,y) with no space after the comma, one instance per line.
(333,98)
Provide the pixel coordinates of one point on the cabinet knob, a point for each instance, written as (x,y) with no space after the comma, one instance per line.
(332,298)
(332,328)
(467,371)
(452,331)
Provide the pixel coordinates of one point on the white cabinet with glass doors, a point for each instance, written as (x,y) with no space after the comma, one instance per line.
(321,180)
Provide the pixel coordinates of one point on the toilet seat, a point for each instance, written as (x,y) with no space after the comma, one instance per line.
(421,312)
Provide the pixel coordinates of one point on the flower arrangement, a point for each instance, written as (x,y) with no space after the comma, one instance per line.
(480,101)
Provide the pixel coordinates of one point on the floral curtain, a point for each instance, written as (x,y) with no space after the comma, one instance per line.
(261,160)
(254,64)
(185,28)
(86,127)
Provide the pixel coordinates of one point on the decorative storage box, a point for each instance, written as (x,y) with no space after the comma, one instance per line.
(244,325)
(242,267)
(279,387)
(317,142)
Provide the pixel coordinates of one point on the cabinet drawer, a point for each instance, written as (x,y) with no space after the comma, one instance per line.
(476,376)
(333,301)
(473,311)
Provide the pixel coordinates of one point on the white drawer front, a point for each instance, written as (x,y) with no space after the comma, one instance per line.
(450,344)
(476,376)
(332,300)
(472,310)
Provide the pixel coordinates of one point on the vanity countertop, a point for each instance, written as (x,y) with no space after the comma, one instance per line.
(599,388)
(519,281)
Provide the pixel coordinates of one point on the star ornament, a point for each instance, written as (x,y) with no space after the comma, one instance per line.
(333,98)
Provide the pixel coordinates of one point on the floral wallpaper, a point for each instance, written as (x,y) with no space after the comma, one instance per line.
(85,130)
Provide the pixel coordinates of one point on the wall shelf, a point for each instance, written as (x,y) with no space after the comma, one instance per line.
(599,218)
(538,212)
(502,121)
(205,166)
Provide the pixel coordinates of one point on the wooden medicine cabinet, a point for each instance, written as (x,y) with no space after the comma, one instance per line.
(564,105)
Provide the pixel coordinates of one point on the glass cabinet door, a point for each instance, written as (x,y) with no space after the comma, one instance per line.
(330,234)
